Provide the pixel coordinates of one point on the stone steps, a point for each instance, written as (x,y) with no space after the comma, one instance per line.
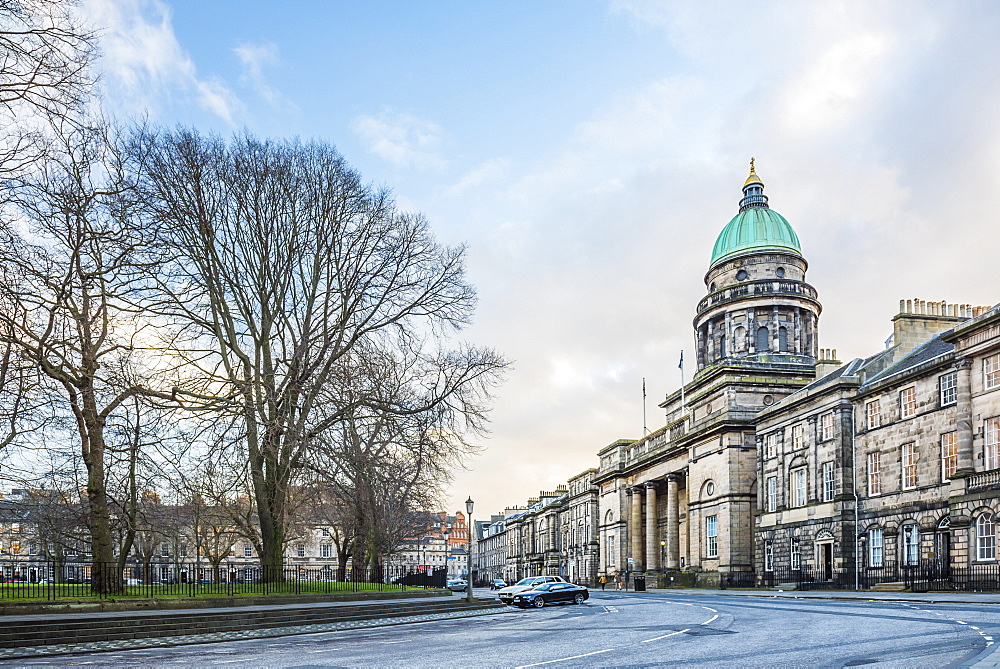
(898,586)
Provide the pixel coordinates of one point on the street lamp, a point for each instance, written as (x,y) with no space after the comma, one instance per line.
(447,555)
(468,585)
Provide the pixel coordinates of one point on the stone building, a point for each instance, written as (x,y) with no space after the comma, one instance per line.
(890,462)
(684,496)
(778,460)
(489,558)
(533,536)
(579,546)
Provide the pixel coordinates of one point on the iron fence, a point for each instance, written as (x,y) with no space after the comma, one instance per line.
(39,579)
(804,578)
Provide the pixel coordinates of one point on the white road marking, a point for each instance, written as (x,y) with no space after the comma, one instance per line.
(610,609)
(563,659)
(666,635)
(402,641)
(973,627)
(325,650)
(710,619)
(225,661)
(961,623)
(709,608)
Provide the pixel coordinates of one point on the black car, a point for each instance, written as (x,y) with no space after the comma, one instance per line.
(551,593)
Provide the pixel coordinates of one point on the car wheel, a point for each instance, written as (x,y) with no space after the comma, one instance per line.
(539,602)
(579,599)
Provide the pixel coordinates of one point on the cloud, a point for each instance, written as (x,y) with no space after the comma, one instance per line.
(486,172)
(143,64)
(874,133)
(402,140)
(254,58)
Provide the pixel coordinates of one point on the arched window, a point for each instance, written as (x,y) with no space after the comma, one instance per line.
(739,342)
(986,537)
(763,340)
(782,339)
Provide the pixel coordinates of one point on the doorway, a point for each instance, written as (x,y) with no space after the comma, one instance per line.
(824,557)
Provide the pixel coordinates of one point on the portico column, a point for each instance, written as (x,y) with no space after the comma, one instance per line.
(673,523)
(963,417)
(636,528)
(652,535)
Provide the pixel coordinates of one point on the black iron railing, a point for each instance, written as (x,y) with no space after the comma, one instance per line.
(38,579)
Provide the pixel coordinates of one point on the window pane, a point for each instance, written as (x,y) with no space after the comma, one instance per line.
(907,402)
(949,455)
(991,372)
(909,465)
(992,446)
(875,548)
(948,384)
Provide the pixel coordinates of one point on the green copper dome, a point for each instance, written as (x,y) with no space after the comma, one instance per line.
(757,226)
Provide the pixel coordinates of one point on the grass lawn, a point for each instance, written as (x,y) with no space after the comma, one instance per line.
(51,591)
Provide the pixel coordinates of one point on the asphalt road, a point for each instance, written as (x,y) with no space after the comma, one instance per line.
(625,629)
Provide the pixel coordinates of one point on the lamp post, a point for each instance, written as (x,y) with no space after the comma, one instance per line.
(447,554)
(468,585)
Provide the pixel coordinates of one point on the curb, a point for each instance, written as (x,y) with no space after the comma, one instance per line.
(791,594)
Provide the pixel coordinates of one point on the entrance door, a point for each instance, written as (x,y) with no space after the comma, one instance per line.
(943,551)
(827,561)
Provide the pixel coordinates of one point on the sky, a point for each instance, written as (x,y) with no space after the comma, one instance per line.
(589,153)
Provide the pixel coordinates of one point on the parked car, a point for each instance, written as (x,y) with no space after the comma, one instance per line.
(497,584)
(507,594)
(457,585)
(552,593)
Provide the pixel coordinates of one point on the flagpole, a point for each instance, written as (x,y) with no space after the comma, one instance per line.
(683,407)
(645,431)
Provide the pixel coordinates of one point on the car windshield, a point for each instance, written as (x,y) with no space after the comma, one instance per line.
(523,581)
(546,586)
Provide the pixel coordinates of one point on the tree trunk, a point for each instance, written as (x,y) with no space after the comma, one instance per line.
(105,577)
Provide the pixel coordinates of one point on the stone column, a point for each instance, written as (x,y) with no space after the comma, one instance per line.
(673,523)
(652,533)
(635,527)
(963,416)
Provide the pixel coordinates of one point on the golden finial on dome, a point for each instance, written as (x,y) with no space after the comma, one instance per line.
(753,178)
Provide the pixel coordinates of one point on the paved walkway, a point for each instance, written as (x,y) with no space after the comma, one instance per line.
(926,597)
(153,642)
(167,613)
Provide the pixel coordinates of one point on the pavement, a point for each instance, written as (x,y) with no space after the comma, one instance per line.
(865,595)
(215,637)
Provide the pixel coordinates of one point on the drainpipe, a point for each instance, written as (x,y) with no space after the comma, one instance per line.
(857,525)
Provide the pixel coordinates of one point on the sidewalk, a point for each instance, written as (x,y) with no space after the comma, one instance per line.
(865,595)
(37,635)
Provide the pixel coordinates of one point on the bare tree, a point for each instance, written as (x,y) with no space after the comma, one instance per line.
(288,270)
(45,58)
(73,308)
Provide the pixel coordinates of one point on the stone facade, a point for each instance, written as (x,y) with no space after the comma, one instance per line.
(578,550)
(910,466)
(778,459)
